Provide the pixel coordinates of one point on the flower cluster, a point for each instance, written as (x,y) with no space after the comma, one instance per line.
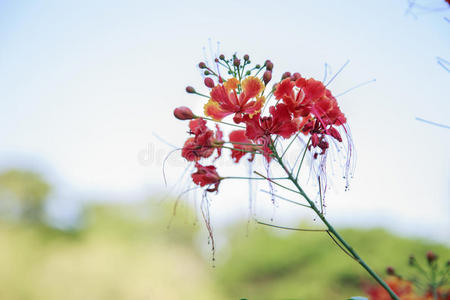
(428,285)
(300,106)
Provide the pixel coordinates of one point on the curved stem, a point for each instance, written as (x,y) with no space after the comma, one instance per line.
(332,230)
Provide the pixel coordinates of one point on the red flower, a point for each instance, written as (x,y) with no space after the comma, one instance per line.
(225,100)
(402,288)
(203,143)
(206,175)
(284,88)
(280,122)
(238,138)
(310,96)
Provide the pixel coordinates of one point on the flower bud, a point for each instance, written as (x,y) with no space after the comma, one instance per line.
(190,90)
(183,113)
(216,60)
(286,75)
(269,65)
(209,82)
(248,73)
(206,72)
(258,66)
(202,65)
(296,76)
(431,257)
(222,57)
(412,260)
(334,133)
(246,57)
(267,77)
(236,62)
(390,271)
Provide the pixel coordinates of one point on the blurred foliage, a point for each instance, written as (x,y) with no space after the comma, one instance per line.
(23,194)
(117,254)
(129,251)
(275,264)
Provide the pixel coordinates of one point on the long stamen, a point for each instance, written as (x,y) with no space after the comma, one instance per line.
(340,70)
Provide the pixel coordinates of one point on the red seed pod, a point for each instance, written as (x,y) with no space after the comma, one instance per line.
(269,65)
(209,82)
(286,75)
(202,65)
(190,90)
(431,257)
(183,113)
(267,77)
(236,62)
(390,271)
(246,57)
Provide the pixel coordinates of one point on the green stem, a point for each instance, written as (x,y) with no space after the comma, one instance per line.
(240,150)
(333,231)
(303,157)
(253,178)
(226,123)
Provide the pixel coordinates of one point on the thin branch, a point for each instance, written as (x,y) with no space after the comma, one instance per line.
(274,182)
(342,248)
(290,228)
(285,199)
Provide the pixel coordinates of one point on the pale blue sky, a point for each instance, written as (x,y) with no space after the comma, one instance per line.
(83,85)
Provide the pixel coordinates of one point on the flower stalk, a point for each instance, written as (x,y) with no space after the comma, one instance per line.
(301,107)
(331,229)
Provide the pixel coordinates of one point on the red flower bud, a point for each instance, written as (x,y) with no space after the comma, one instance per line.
(209,82)
(216,60)
(334,133)
(222,57)
(202,65)
(390,271)
(246,57)
(236,62)
(190,90)
(431,257)
(267,77)
(269,65)
(296,76)
(183,113)
(286,75)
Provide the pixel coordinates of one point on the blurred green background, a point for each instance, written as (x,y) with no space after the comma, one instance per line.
(140,250)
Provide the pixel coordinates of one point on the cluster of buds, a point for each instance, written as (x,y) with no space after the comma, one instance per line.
(428,283)
(302,106)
